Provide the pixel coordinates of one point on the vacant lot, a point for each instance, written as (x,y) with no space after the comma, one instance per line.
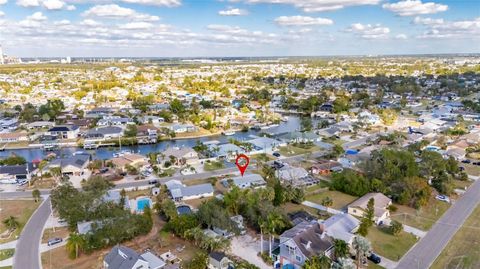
(463,251)
(292,208)
(340,199)
(211,166)
(423,218)
(21,210)
(388,245)
(291,150)
(471,169)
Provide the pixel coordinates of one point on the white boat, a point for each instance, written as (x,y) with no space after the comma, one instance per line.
(122,153)
(284,118)
(273,125)
(265,127)
(228,133)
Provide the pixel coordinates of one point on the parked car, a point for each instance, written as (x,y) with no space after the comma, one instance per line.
(54,241)
(442,198)
(278,165)
(103,170)
(22,182)
(153,182)
(476,163)
(375,258)
(276,154)
(466,161)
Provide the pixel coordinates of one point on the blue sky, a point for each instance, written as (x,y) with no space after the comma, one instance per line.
(200,28)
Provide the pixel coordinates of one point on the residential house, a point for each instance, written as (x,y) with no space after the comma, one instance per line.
(262,144)
(104,133)
(17,172)
(99,112)
(40,125)
(178,156)
(155,120)
(13,137)
(180,192)
(249,181)
(74,165)
(296,176)
(227,151)
(218,260)
(64,131)
(381,204)
(182,128)
(121,257)
(135,160)
(342,227)
(299,137)
(302,242)
(325,167)
(114,121)
(8,123)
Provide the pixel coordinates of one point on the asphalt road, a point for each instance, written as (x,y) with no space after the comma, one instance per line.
(27,255)
(424,253)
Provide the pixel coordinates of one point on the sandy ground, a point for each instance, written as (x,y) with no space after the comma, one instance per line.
(247,248)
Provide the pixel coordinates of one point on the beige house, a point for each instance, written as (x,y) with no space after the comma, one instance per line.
(135,160)
(13,137)
(382,202)
(178,156)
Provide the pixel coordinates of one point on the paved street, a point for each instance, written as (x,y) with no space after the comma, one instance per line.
(27,254)
(424,253)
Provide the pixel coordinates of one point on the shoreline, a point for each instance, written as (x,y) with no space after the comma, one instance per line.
(66,144)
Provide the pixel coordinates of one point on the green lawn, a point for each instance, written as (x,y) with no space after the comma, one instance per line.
(290,150)
(262,157)
(470,169)
(167,172)
(21,210)
(340,199)
(6,267)
(463,251)
(6,253)
(211,166)
(423,218)
(292,208)
(390,246)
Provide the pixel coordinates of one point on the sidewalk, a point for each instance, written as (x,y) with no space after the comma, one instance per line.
(11,244)
(321,207)
(387,264)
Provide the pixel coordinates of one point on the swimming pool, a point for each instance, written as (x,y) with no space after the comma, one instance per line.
(184,210)
(142,203)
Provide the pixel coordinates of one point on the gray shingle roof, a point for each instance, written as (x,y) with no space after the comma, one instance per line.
(121,257)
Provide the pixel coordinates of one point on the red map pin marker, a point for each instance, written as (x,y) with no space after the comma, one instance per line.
(242,163)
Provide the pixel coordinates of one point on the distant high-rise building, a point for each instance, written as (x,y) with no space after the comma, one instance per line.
(2,60)
(69,60)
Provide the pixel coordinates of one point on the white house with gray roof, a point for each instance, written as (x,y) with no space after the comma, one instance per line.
(121,257)
(180,192)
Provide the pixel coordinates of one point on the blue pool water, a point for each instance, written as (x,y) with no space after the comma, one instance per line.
(142,203)
(183,210)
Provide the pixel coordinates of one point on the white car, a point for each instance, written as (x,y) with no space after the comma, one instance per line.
(442,198)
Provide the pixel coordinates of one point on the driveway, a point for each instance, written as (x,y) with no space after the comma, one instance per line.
(27,255)
(424,253)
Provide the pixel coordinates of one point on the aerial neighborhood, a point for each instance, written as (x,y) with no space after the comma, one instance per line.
(353,162)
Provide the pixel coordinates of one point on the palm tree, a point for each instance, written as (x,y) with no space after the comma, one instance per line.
(343,263)
(74,244)
(56,172)
(362,248)
(318,262)
(275,222)
(36,195)
(11,223)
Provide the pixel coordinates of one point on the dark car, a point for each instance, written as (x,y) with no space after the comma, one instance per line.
(103,170)
(153,182)
(466,161)
(476,163)
(375,258)
(54,241)
(276,154)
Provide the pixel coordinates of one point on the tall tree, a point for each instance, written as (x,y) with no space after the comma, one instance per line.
(318,262)
(75,243)
(362,248)
(36,195)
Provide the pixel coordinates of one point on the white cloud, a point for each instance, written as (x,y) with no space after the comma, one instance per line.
(28,3)
(454,29)
(53,4)
(37,16)
(114,11)
(2,2)
(427,21)
(369,31)
(2,13)
(62,22)
(90,22)
(415,7)
(167,3)
(136,26)
(233,12)
(401,36)
(319,5)
(301,21)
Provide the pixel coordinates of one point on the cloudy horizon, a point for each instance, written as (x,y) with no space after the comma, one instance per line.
(237,28)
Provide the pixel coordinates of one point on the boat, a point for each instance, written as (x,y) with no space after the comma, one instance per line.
(284,118)
(228,133)
(50,147)
(264,127)
(90,146)
(122,153)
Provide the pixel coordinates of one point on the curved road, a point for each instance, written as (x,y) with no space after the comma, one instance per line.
(27,254)
(424,253)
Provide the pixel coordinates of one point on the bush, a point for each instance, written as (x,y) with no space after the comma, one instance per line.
(396,227)
(266,257)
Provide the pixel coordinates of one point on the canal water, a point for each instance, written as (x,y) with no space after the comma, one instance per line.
(291,125)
